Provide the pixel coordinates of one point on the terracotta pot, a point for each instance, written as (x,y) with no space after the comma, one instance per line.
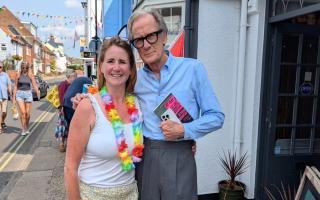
(226,193)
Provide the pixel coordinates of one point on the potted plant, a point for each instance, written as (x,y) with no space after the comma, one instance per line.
(231,189)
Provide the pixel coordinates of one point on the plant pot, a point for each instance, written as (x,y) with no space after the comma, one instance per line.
(227,193)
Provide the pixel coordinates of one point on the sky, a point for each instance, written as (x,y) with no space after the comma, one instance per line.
(59,17)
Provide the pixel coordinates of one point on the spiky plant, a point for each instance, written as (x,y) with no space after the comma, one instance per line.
(284,193)
(233,166)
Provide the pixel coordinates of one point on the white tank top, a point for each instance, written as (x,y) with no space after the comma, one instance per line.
(100,165)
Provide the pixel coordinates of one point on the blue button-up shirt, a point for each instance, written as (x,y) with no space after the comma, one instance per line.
(187,80)
(4,84)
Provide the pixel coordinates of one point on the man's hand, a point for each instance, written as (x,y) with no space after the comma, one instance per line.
(172,130)
(76,99)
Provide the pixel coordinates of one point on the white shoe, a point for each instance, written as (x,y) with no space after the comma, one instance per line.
(27,132)
(23,133)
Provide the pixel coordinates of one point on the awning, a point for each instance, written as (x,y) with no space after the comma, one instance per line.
(177,46)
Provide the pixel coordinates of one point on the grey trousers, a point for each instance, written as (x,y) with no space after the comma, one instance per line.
(167,172)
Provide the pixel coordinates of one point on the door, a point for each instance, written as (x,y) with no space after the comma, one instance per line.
(293,134)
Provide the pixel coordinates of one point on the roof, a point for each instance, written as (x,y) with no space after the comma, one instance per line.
(10,20)
(11,35)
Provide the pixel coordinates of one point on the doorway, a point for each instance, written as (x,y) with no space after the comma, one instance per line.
(292,134)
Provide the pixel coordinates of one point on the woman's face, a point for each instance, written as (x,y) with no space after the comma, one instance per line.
(24,67)
(116,67)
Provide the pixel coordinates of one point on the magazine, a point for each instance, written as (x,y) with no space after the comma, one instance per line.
(171,108)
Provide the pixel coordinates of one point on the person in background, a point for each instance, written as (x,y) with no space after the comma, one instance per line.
(5,92)
(105,139)
(167,141)
(75,88)
(62,134)
(22,94)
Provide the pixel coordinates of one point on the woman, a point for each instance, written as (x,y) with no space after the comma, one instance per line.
(101,152)
(62,133)
(22,95)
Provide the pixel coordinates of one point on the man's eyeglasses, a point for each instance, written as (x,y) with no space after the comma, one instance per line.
(151,39)
(24,67)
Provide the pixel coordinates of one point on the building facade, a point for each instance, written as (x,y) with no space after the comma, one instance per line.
(262,58)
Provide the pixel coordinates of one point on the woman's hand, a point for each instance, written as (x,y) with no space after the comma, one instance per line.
(38,94)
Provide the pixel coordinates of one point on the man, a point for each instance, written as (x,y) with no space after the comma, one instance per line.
(168,169)
(62,133)
(75,88)
(5,88)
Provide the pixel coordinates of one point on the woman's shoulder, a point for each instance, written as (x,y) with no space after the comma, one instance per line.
(85,107)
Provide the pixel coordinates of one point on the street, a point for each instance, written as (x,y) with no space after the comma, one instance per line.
(31,167)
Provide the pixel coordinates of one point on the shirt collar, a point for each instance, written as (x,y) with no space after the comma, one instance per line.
(167,65)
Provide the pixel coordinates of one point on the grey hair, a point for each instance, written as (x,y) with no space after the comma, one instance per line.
(139,13)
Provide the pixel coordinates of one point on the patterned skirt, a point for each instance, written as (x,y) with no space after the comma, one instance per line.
(125,192)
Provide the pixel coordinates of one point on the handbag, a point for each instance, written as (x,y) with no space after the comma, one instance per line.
(53,96)
(15,113)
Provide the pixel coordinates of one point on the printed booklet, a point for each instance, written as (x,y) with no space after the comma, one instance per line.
(171,108)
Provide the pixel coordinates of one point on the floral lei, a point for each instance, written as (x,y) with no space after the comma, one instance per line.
(118,127)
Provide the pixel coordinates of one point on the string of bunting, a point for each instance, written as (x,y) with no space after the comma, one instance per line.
(46,16)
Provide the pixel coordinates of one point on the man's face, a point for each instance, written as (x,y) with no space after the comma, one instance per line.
(151,51)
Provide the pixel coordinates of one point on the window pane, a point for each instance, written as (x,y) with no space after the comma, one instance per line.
(281,6)
(282,141)
(285,110)
(307,80)
(290,48)
(318,112)
(176,11)
(287,79)
(316,147)
(310,49)
(165,12)
(305,106)
(302,141)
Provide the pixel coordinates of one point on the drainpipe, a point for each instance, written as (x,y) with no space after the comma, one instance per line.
(237,137)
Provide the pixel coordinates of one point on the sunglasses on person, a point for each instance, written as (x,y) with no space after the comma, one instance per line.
(1,67)
(151,39)
(24,67)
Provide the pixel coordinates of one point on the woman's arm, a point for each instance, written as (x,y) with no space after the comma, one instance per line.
(34,84)
(78,138)
(15,87)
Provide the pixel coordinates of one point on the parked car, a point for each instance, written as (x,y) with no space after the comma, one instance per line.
(43,87)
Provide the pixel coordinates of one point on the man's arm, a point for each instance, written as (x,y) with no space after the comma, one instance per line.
(9,86)
(211,117)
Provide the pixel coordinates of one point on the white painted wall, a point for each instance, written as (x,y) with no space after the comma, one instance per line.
(218,47)
(4,39)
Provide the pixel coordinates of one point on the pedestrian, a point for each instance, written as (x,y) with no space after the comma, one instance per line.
(75,88)
(62,132)
(168,172)
(22,95)
(5,92)
(105,138)
(168,169)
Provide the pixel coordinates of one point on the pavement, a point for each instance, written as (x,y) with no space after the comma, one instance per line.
(43,178)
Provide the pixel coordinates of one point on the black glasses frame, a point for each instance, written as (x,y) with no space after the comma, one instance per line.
(147,37)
